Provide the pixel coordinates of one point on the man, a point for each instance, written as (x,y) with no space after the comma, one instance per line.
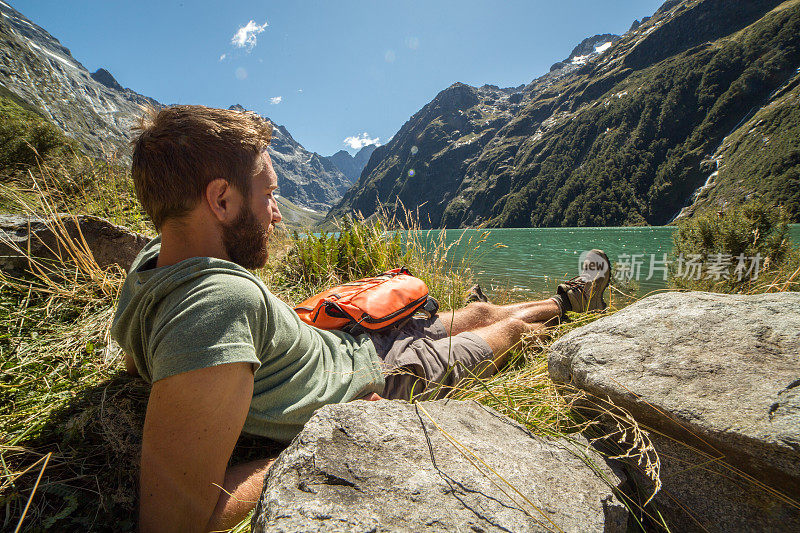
(224,355)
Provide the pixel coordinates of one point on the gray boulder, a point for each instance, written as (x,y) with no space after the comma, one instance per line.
(702,494)
(384,466)
(110,244)
(716,374)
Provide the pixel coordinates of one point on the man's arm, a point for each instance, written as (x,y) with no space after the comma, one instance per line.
(193,421)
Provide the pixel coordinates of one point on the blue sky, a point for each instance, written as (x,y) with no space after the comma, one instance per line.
(326,70)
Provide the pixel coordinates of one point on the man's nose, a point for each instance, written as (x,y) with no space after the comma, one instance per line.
(276,215)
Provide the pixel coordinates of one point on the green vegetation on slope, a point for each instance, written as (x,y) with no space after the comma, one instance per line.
(27,137)
(761,159)
(633,156)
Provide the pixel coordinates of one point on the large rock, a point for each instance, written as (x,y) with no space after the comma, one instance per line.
(384,466)
(110,244)
(716,374)
(702,494)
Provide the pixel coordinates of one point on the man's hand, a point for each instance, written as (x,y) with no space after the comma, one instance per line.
(193,421)
(130,365)
(371,397)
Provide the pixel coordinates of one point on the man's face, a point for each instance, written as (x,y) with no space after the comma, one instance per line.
(245,239)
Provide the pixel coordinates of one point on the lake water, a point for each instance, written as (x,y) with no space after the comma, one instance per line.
(532,261)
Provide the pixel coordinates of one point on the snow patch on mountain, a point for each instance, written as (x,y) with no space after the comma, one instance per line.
(603,47)
(581,60)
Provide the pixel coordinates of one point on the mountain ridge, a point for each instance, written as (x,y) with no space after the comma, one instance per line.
(352,165)
(97,112)
(617,140)
(307,179)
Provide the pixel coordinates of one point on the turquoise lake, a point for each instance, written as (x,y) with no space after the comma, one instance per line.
(532,261)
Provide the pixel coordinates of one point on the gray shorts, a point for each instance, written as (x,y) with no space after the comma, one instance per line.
(420,353)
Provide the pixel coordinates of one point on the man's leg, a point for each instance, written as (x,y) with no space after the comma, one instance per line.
(479,315)
(476,339)
(582,293)
(502,337)
(430,367)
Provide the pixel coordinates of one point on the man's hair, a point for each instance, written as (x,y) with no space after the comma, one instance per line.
(179,150)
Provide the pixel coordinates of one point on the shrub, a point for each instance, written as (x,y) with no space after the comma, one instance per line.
(745,249)
(27,137)
(361,248)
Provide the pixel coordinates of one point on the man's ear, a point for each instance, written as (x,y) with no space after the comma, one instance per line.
(222,199)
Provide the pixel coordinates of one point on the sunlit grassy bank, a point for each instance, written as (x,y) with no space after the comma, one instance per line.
(71,419)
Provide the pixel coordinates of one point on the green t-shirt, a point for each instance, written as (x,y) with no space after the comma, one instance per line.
(204,312)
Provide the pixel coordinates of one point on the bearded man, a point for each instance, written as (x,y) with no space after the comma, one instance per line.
(225,356)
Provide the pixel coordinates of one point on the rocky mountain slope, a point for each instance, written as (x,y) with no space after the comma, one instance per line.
(623,136)
(352,165)
(94,109)
(305,178)
(91,108)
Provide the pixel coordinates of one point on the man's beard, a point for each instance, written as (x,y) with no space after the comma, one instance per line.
(245,240)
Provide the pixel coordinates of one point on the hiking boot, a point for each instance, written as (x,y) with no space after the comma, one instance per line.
(585,292)
(475,294)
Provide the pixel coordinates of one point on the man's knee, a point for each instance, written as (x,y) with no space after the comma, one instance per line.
(478,307)
(515,326)
(486,310)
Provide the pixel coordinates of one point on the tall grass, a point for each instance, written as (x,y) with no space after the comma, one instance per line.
(75,184)
(360,248)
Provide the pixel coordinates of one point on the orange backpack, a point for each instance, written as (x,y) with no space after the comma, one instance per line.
(369,304)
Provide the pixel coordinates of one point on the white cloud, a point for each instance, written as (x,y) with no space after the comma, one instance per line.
(299,90)
(389,56)
(222,57)
(276,100)
(241,73)
(412,42)
(245,37)
(360,141)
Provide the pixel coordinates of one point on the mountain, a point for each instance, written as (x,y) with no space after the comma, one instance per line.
(760,159)
(43,83)
(352,165)
(91,108)
(588,49)
(305,178)
(624,136)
